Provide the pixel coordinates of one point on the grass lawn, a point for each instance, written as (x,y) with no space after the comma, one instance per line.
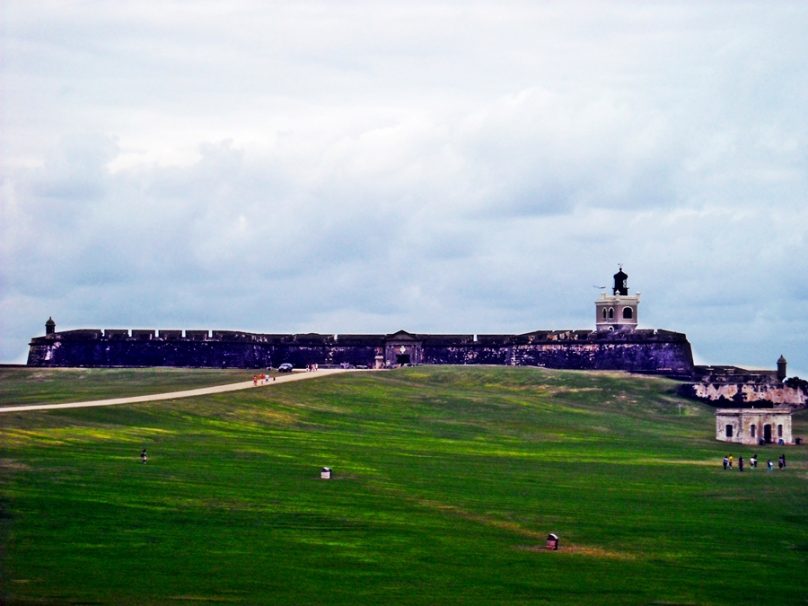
(23,386)
(446,483)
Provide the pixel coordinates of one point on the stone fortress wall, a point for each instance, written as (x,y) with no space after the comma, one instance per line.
(655,351)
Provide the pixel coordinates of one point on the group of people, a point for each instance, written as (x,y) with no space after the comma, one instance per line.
(753,462)
(261,379)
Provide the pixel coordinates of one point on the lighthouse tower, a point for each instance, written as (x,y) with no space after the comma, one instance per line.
(617,311)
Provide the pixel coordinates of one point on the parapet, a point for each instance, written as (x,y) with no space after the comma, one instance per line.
(197,335)
(169,335)
(78,335)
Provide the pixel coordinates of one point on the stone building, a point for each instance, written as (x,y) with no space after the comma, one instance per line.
(753,425)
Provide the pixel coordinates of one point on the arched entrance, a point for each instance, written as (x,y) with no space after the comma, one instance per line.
(767,434)
(402,348)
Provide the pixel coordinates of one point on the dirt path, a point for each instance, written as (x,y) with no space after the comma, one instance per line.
(189,393)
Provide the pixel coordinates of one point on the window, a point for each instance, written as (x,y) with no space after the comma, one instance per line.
(729,431)
(628,313)
(779,431)
(611,313)
(753,429)
(604,313)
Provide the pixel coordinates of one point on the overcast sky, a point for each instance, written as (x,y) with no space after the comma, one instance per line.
(475,167)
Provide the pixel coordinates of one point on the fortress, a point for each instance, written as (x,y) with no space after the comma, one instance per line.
(615,344)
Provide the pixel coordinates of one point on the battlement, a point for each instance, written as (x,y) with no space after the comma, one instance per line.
(654,351)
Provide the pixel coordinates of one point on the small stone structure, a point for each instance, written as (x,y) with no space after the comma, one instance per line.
(753,425)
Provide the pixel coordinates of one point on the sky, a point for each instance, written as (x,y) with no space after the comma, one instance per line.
(437,167)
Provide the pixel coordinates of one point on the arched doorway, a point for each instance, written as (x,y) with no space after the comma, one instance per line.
(403,348)
(767,433)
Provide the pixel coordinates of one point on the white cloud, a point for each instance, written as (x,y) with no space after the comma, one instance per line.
(364,167)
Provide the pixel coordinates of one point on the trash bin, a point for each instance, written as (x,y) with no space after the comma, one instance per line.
(325,473)
(552,542)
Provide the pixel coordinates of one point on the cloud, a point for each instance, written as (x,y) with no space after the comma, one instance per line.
(364,167)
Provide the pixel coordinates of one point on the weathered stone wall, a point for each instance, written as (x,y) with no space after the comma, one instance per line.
(750,392)
(216,349)
(641,351)
(741,386)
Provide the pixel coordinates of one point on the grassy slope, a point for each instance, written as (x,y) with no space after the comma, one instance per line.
(21,386)
(446,482)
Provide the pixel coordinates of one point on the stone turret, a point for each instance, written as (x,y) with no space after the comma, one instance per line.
(781,368)
(617,311)
(50,326)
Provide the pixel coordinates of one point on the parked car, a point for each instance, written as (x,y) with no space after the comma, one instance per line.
(285,367)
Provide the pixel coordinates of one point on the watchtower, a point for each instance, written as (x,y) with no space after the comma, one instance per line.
(617,311)
(781,368)
(50,326)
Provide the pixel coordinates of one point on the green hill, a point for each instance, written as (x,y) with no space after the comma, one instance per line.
(446,482)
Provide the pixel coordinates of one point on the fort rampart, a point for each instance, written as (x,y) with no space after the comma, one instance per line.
(655,351)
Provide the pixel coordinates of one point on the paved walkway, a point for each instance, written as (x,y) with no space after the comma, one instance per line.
(190,393)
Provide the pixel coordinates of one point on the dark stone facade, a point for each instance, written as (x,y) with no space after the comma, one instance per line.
(652,351)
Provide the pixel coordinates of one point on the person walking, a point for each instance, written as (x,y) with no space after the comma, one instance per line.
(144,456)
(726,462)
